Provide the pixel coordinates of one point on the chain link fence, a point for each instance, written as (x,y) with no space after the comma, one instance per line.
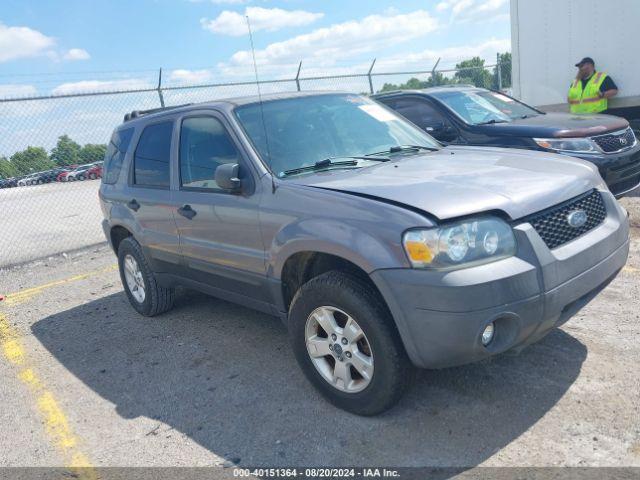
(51,148)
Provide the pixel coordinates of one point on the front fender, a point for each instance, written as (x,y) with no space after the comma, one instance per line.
(333,237)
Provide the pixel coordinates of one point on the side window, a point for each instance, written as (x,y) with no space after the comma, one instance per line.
(114,156)
(420,112)
(152,157)
(204,146)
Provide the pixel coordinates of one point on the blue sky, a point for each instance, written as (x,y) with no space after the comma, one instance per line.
(56,47)
(61,46)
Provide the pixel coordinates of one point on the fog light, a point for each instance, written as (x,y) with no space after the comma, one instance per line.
(487,335)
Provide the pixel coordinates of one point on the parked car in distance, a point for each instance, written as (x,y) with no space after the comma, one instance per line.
(47,176)
(378,248)
(79,173)
(62,176)
(95,171)
(26,180)
(465,115)
(8,182)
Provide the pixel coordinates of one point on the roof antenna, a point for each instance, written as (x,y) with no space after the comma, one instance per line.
(264,124)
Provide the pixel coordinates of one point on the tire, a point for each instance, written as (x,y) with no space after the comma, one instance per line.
(92,176)
(157,299)
(392,371)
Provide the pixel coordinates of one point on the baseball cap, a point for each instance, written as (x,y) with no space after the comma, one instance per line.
(586,60)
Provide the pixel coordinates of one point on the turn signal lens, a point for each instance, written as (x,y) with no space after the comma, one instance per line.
(418,252)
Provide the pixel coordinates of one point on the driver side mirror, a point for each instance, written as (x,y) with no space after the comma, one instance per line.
(442,132)
(227,177)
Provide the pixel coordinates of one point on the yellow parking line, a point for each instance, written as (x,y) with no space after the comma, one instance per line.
(57,428)
(630,269)
(27,294)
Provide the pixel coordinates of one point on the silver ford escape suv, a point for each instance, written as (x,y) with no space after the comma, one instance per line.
(379,249)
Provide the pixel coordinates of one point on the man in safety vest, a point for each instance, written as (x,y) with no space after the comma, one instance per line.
(590,91)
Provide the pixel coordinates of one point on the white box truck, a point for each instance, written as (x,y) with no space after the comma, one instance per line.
(548,37)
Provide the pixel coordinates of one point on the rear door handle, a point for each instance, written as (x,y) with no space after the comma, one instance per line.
(187,212)
(133,205)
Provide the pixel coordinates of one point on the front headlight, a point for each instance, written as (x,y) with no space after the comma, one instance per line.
(580,145)
(464,243)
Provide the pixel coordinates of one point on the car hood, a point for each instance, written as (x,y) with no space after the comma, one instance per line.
(553,125)
(457,181)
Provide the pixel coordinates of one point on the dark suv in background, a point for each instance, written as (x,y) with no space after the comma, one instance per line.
(466,115)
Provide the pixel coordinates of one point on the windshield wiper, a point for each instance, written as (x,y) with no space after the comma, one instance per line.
(403,148)
(493,120)
(330,162)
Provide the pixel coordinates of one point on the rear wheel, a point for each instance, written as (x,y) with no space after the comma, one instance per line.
(140,284)
(92,176)
(345,342)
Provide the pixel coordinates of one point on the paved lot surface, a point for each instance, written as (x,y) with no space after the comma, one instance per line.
(85,380)
(48,219)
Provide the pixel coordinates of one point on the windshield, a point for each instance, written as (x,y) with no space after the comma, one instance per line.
(483,106)
(304,130)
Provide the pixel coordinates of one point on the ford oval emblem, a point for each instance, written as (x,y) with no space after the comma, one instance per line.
(577,218)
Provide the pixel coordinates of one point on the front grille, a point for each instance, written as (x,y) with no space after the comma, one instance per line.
(617,141)
(553,225)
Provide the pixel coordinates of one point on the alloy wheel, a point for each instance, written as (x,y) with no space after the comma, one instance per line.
(339,349)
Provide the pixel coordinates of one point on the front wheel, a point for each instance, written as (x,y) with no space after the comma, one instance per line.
(345,341)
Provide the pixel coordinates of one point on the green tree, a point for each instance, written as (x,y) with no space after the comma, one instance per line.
(473,71)
(434,80)
(92,152)
(505,68)
(33,159)
(438,79)
(66,152)
(7,169)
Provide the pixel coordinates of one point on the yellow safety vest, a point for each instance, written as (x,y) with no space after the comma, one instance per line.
(587,100)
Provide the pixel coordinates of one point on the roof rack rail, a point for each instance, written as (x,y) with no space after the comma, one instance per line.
(389,92)
(454,85)
(140,113)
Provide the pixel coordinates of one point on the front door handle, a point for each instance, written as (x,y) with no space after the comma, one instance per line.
(187,212)
(133,205)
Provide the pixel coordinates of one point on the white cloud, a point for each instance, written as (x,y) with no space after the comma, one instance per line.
(324,46)
(88,86)
(465,10)
(449,56)
(16,91)
(76,54)
(190,77)
(222,2)
(270,19)
(22,42)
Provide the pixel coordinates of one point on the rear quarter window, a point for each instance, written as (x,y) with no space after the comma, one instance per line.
(116,151)
(152,156)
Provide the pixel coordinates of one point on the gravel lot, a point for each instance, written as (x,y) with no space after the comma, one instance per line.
(47,219)
(212,382)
